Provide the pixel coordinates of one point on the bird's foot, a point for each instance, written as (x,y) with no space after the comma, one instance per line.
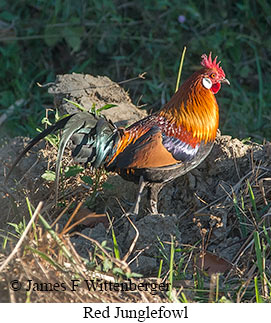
(135,209)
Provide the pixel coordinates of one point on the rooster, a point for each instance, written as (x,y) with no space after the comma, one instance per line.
(152,151)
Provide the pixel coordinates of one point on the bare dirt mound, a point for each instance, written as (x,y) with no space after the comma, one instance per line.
(88,90)
(205,206)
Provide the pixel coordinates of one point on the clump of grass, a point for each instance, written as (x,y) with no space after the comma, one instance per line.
(52,258)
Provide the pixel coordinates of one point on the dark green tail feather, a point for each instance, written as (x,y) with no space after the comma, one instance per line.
(79,120)
(94,138)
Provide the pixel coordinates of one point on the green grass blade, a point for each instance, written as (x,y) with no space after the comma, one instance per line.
(105,107)
(171,263)
(180,69)
(116,246)
(253,202)
(257,294)
(258,250)
(56,238)
(77,105)
(183,298)
(267,236)
(240,217)
(31,214)
(45,257)
(160,269)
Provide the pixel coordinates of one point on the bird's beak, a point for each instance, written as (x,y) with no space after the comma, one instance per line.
(225,81)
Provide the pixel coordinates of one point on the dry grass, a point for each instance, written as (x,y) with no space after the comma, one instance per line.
(47,258)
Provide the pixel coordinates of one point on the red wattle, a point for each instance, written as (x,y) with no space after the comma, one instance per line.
(216,87)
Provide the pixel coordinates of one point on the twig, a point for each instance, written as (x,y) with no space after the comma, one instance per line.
(247,244)
(28,171)
(138,254)
(66,228)
(132,246)
(140,76)
(19,243)
(46,84)
(62,212)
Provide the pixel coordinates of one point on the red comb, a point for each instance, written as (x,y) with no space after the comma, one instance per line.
(207,62)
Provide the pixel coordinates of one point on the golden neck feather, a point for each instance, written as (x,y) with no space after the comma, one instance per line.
(194,108)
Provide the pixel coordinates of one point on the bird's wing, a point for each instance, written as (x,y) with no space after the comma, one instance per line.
(180,150)
(150,149)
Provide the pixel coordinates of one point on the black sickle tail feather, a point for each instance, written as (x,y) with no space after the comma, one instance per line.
(92,140)
(58,125)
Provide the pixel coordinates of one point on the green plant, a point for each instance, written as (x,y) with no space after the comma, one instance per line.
(107,38)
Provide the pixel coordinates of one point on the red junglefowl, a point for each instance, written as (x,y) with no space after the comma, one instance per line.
(156,149)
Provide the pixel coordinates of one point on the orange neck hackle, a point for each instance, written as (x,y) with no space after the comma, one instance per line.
(194,108)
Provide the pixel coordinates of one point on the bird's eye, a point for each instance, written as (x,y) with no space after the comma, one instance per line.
(213,75)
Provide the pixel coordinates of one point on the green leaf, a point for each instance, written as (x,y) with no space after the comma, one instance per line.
(49,176)
(77,105)
(51,36)
(117,271)
(107,265)
(87,179)
(51,138)
(46,258)
(45,120)
(223,299)
(7,16)
(93,110)
(19,227)
(73,171)
(105,107)
(116,247)
(135,275)
(107,186)
(73,35)
(104,243)
(253,201)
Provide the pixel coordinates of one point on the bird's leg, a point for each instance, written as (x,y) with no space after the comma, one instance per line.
(153,191)
(142,184)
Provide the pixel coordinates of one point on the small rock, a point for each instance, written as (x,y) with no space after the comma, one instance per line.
(144,265)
